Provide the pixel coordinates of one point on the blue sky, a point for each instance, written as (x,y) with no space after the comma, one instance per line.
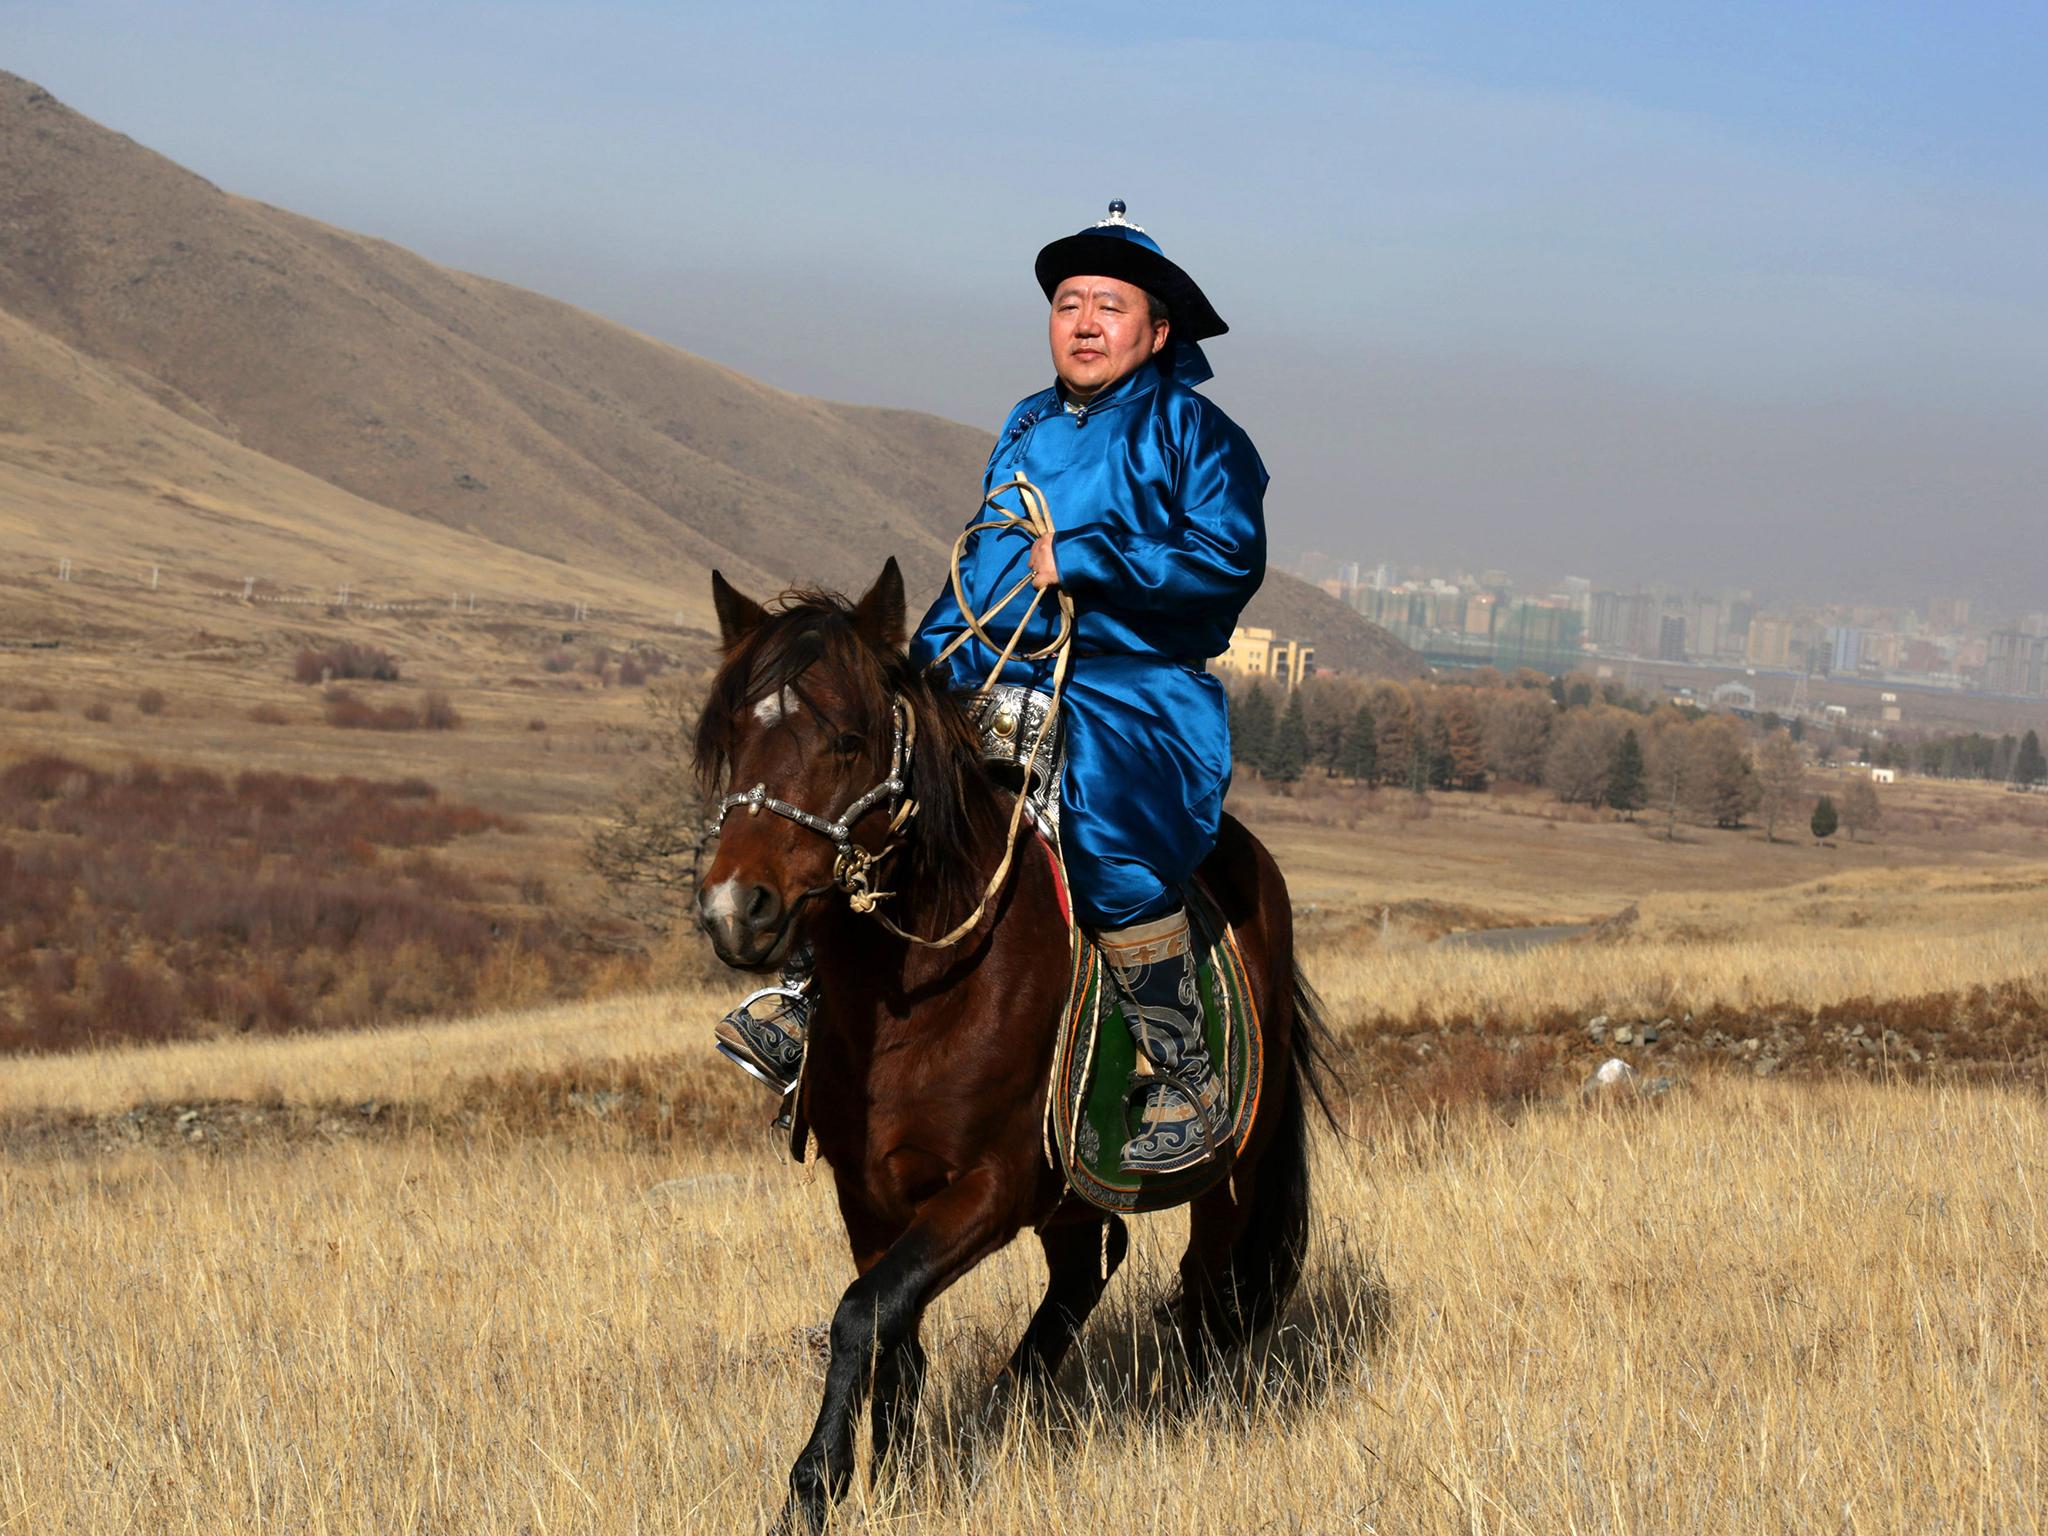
(1732,294)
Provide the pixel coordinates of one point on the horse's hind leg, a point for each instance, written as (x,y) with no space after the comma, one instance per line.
(899,1378)
(1075,1256)
(1247,1239)
(1204,1314)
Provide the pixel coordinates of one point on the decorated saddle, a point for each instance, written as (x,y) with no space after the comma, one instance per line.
(1088,1098)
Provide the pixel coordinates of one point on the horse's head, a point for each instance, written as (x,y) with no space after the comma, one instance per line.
(805,706)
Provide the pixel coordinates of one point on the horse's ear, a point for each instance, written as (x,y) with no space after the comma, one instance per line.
(879,613)
(738,614)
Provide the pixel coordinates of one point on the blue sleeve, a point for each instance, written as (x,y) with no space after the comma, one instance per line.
(1215,554)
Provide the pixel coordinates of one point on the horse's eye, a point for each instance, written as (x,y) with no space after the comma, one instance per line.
(849,743)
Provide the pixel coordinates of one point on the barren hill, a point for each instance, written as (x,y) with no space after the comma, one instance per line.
(188,374)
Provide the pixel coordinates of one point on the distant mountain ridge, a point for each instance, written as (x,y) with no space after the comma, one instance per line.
(229,367)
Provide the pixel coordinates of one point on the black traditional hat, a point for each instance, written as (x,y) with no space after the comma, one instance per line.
(1115,247)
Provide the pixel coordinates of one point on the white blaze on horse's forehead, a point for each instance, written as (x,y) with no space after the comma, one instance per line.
(775,706)
(722,900)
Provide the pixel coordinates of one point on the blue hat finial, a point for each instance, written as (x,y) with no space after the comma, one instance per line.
(1116,207)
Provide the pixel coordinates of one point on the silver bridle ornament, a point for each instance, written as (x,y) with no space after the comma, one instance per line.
(851,865)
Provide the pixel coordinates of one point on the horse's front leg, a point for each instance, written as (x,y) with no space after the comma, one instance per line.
(952,1232)
(899,1378)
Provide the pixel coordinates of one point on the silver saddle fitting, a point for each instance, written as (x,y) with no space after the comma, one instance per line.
(1008,718)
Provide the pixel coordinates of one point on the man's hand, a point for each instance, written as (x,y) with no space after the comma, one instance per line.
(1045,571)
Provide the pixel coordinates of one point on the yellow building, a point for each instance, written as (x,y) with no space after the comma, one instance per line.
(1479,613)
(1257,653)
(1770,642)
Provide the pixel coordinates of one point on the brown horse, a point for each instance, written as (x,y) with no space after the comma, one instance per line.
(927,1073)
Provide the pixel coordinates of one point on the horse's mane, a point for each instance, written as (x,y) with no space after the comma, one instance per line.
(809,631)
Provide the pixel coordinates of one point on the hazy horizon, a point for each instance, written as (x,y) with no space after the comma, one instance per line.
(1730,298)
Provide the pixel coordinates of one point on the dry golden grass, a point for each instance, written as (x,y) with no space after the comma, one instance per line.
(428,1065)
(1877,934)
(1751,1307)
(1745,1305)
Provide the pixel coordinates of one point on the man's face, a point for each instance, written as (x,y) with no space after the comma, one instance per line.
(1101,330)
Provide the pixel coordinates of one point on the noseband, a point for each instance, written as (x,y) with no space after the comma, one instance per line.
(851,865)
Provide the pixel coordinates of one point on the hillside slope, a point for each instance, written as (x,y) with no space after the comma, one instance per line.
(222,368)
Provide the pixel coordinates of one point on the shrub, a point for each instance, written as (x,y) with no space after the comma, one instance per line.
(157,901)
(98,711)
(345,712)
(269,714)
(536,724)
(41,702)
(151,701)
(348,661)
(439,714)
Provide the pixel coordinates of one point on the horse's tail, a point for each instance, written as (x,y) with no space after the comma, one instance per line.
(1267,1258)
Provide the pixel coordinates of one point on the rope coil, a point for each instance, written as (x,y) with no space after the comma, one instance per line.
(1035,522)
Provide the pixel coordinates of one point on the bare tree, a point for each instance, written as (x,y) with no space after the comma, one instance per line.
(1517,726)
(1860,810)
(1582,754)
(1673,771)
(1779,774)
(645,850)
(1725,788)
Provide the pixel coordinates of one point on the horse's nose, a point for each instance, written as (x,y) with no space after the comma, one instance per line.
(763,908)
(744,921)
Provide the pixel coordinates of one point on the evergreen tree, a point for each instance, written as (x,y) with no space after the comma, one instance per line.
(1393,715)
(1360,756)
(1627,788)
(1289,755)
(1824,821)
(1251,726)
(1439,754)
(2030,767)
(1326,722)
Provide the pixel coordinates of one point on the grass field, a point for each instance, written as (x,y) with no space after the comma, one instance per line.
(1748,1306)
(546,1272)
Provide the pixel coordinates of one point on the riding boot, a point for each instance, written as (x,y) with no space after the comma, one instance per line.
(1175,1093)
(770,1045)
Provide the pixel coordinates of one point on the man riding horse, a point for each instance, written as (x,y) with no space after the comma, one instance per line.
(1160,541)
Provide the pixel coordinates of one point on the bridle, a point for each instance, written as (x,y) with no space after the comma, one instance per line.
(850,869)
(852,863)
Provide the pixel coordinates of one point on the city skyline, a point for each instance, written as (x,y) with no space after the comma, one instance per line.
(1459,617)
(1319,566)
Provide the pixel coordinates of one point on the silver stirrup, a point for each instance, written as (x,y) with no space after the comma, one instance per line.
(793,997)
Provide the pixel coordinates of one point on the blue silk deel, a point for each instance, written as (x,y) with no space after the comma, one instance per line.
(1158,499)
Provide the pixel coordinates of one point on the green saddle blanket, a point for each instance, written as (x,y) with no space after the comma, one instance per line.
(1088,1103)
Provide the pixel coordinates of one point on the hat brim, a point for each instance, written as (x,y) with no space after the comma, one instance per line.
(1085,254)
